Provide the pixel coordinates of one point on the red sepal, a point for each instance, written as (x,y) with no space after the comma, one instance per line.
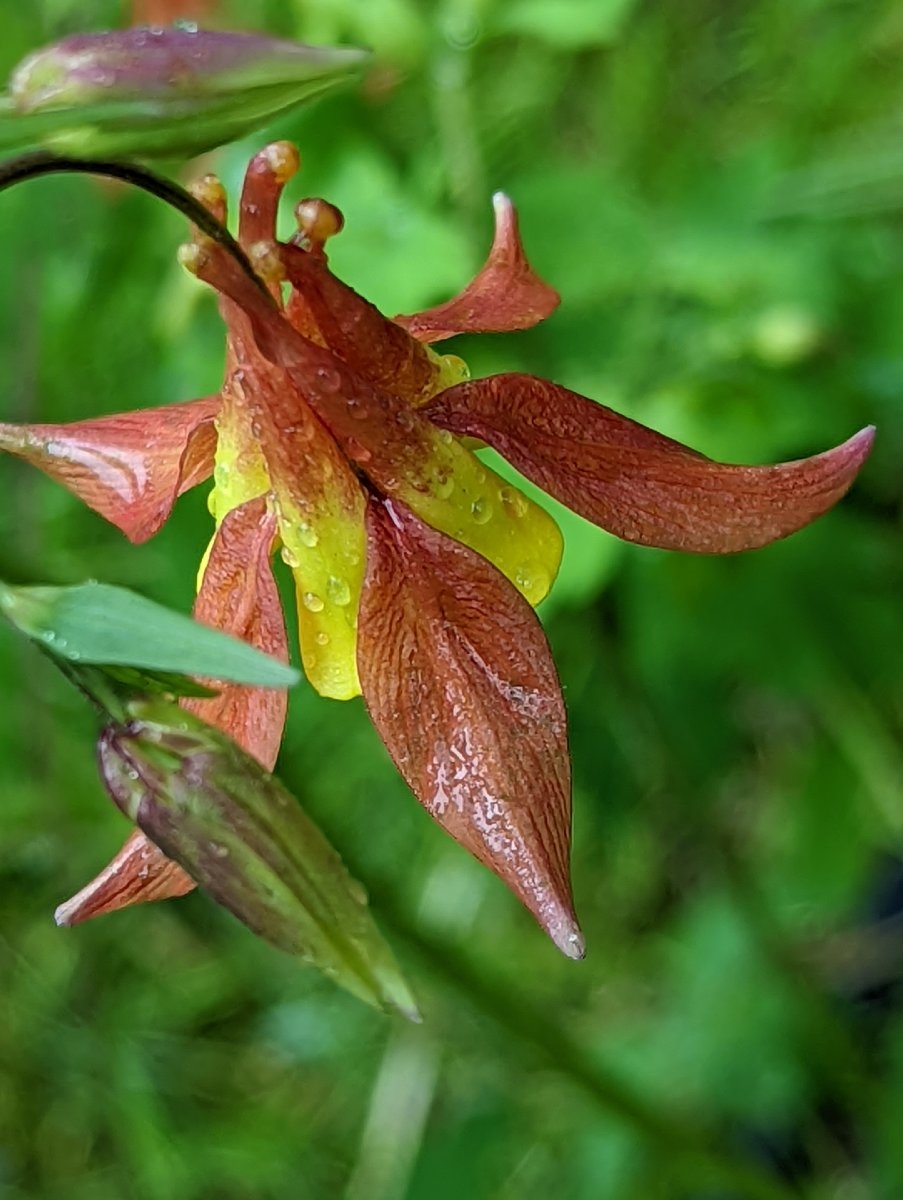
(507,294)
(635,482)
(460,684)
(129,467)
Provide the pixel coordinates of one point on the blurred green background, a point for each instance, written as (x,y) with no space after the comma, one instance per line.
(717,191)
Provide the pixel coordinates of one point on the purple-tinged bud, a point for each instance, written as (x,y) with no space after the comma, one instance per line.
(244,838)
(159,91)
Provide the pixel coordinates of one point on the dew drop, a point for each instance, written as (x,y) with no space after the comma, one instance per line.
(312,602)
(321,638)
(307,535)
(329,379)
(444,486)
(357,451)
(357,409)
(338,591)
(218,850)
(533,580)
(289,558)
(445,437)
(514,503)
(481,510)
(406,419)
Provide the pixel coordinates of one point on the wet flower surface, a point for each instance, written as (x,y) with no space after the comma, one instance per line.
(343,441)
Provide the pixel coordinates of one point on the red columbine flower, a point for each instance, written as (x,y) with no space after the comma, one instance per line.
(338,438)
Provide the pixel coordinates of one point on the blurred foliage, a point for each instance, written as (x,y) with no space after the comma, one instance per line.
(717,191)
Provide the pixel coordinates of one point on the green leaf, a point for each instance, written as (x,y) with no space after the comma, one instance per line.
(104,625)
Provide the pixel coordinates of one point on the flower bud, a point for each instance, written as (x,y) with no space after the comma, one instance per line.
(245,839)
(169,91)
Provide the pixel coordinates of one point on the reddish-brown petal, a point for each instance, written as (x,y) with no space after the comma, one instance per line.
(507,293)
(238,595)
(460,684)
(636,483)
(129,467)
(372,345)
(139,873)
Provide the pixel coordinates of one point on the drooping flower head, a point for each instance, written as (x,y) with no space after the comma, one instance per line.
(341,439)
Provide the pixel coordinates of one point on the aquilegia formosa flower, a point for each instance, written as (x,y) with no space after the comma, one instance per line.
(341,438)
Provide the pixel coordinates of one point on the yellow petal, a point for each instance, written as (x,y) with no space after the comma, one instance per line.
(240,470)
(456,493)
(325,547)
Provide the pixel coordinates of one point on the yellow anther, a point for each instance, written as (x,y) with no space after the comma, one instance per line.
(283,160)
(210,192)
(318,219)
(266,262)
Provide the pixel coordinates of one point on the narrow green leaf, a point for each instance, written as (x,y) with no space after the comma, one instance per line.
(105,625)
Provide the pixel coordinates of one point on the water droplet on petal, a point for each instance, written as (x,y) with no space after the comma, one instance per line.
(338,591)
(406,419)
(357,451)
(515,504)
(445,437)
(307,535)
(533,580)
(357,409)
(289,558)
(321,638)
(218,850)
(312,602)
(329,379)
(444,486)
(481,510)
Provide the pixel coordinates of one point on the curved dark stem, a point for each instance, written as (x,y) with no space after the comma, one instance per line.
(43,162)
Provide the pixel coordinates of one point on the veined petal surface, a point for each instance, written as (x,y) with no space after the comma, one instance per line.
(460,684)
(507,294)
(129,467)
(635,482)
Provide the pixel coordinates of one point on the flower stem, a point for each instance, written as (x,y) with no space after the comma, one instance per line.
(43,162)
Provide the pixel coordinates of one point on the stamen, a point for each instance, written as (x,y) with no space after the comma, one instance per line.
(282,159)
(267,174)
(210,192)
(317,220)
(266,261)
(193,257)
